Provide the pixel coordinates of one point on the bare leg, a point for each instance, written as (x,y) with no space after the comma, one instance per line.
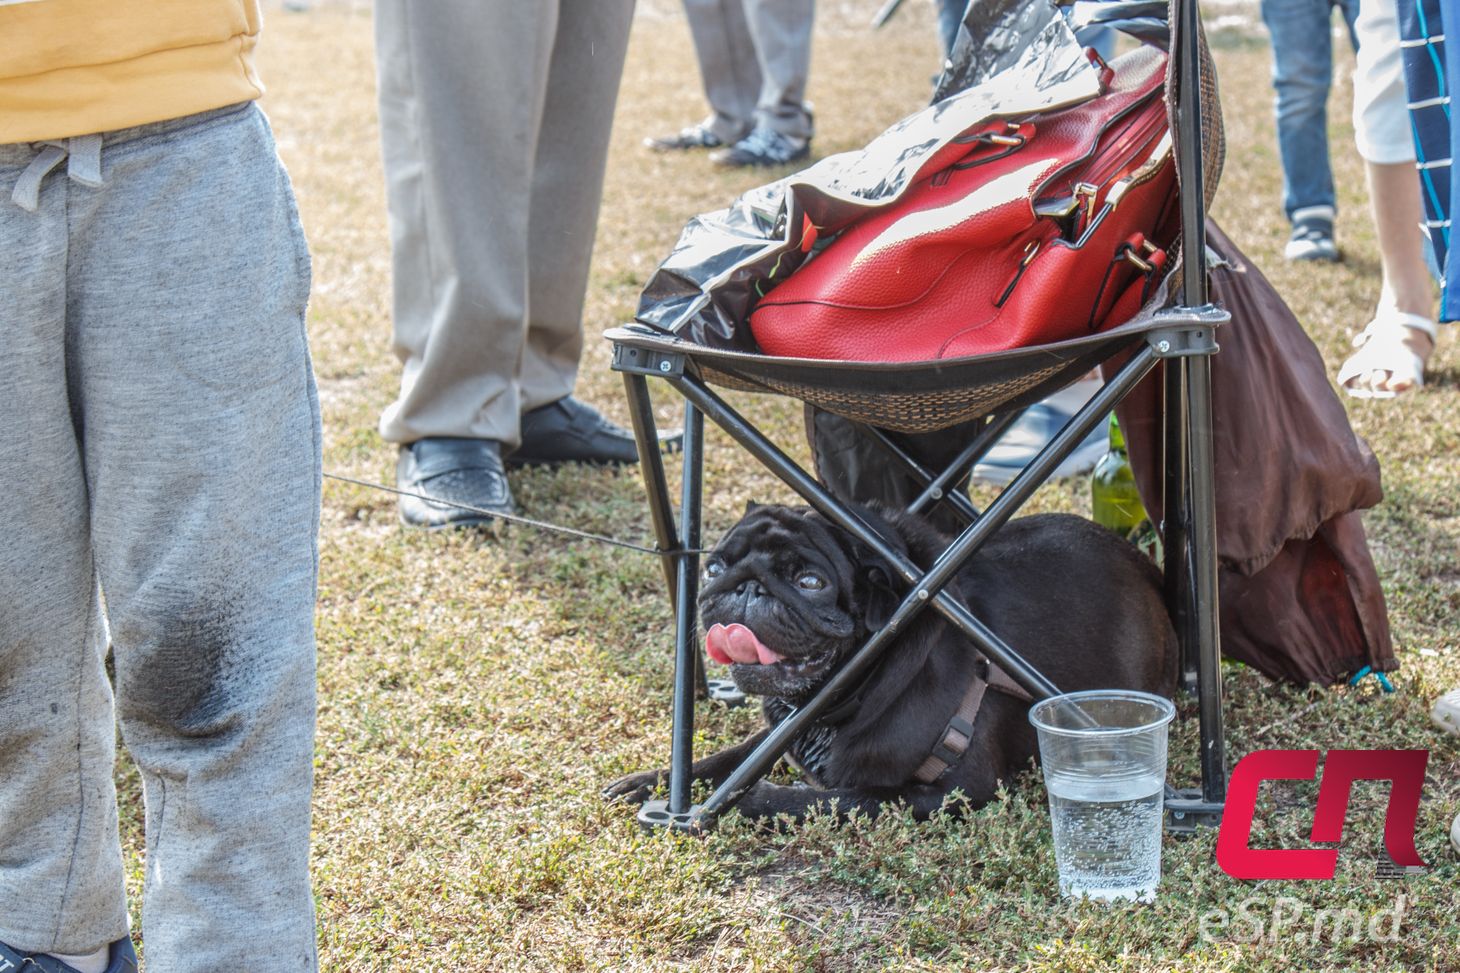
(1395,204)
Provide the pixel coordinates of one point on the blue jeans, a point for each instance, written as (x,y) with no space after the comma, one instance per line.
(950,16)
(1302,70)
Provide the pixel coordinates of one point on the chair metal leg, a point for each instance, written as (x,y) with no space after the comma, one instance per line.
(1190,534)
(1190,528)
(1204,618)
(651,466)
(681,570)
(687,662)
(1191,576)
(963,508)
(1176,493)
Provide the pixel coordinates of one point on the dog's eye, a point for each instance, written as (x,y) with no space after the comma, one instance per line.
(809,581)
(714,569)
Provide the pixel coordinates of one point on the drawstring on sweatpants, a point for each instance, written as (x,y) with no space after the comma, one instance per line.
(83,164)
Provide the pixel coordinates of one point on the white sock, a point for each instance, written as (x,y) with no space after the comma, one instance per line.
(94,962)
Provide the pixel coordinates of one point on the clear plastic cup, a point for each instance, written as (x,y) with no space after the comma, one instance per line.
(1104,759)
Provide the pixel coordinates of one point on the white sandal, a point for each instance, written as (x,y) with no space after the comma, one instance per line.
(1446,712)
(1392,328)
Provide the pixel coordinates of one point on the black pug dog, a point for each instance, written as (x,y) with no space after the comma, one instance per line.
(787,595)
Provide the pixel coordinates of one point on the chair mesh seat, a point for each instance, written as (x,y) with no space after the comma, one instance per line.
(907,397)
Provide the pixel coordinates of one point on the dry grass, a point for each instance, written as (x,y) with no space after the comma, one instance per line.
(476,692)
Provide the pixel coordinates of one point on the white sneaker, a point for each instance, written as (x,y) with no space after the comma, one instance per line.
(1455,834)
(1446,712)
(1312,237)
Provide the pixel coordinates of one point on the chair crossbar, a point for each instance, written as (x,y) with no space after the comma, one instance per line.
(944,487)
(939,487)
(926,587)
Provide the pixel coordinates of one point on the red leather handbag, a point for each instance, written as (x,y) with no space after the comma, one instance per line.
(1028,239)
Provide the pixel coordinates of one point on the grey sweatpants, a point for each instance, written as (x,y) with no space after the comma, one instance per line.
(754,58)
(494,124)
(159,481)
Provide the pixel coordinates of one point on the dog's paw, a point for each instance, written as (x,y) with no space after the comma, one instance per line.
(636,788)
(776,805)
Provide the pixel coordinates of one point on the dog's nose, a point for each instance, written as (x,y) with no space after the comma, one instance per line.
(750,586)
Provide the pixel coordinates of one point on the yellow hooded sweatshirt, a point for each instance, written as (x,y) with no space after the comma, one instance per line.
(73,67)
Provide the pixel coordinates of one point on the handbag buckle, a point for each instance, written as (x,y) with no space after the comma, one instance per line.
(1147,248)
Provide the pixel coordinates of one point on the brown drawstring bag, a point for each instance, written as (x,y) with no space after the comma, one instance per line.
(1300,599)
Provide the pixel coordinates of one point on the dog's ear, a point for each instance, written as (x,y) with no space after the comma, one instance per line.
(751,507)
(879,592)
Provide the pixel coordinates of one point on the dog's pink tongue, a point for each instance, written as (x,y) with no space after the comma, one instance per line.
(736,643)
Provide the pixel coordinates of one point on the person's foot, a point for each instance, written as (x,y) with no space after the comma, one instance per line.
(1312,237)
(572,431)
(1033,431)
(1392,352)
(1446,712)
(698,136)
(763,147)
(464,471)
(120,958)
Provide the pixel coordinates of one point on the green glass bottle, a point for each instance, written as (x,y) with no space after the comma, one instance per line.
(1114,500)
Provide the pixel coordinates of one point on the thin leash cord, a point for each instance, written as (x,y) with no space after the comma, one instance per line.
(515,519)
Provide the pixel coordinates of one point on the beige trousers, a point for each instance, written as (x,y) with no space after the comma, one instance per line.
(754,58)
(494,122)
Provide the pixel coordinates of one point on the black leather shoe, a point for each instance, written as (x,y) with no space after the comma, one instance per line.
(466,471)
(571,431)
(694,137)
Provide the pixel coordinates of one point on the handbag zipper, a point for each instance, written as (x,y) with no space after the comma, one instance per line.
(1097,171)
(1120,147)
(1142,174)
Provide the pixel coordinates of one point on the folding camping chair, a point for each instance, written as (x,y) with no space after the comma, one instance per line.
(886,399)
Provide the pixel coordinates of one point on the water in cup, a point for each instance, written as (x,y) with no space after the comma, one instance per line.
(1104,759)
(1107,836)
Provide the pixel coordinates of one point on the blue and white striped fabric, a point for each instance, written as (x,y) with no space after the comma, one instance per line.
(1428,64)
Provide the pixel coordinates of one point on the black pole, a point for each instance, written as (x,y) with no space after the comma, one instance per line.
(1176,508)
(1188,156)
(1204,617)
(688,667)
(1195,499)
(651,466)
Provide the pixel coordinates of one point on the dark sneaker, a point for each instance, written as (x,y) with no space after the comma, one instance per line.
(464,471)
(1312,237)
(763,147)
(572,431)
(121,958)
(695,137)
